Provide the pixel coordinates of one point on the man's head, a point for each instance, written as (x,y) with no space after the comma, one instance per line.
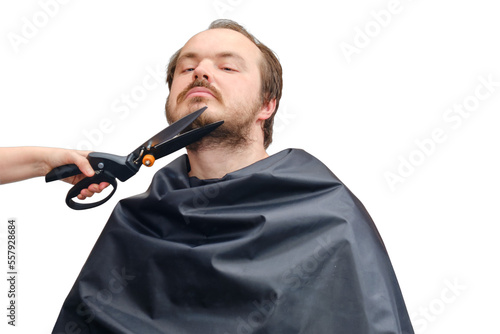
(231,72)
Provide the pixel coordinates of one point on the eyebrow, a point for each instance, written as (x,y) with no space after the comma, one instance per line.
(221,55)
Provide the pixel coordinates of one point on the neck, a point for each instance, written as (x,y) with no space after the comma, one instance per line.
(215,162)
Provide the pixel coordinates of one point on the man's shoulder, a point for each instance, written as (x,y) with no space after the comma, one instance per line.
(300,161)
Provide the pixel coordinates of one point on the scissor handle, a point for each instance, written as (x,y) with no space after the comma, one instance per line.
(103,176)
(62,172)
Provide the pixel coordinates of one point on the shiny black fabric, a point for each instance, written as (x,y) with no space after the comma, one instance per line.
(281,246)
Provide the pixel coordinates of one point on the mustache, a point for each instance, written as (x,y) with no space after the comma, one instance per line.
(199,83)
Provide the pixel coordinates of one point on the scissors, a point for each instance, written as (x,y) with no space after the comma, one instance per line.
(109,167)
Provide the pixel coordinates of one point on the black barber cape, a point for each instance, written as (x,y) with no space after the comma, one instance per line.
(279,247)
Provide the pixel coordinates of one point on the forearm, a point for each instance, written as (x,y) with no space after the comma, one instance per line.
(20,163)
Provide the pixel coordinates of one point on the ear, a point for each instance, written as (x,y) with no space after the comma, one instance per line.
(266,110)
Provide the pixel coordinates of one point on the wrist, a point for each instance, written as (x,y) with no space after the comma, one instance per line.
(40,163)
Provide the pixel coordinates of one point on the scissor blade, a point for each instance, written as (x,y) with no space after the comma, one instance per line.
(183,140)
(172,130)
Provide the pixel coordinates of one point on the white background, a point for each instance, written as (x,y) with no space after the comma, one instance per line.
(361,114)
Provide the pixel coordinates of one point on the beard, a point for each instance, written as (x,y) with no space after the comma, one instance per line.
(238,120)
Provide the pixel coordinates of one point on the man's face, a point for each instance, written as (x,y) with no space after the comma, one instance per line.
(218,68)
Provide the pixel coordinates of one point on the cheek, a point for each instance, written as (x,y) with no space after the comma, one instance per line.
(172,96)
(243,90)
(253,86)
(175,89)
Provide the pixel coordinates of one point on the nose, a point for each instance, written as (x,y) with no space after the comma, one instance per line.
(202,72)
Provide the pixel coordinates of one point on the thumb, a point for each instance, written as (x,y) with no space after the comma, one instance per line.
(83,164)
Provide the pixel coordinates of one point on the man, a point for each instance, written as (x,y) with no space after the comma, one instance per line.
(231,240)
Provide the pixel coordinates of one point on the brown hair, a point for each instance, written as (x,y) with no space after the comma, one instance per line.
(270,73)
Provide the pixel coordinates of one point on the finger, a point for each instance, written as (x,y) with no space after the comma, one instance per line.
(103,185)
(96,188)
(91,190)
(86,193)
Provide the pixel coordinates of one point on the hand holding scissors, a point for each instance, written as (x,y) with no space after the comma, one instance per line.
(109,167)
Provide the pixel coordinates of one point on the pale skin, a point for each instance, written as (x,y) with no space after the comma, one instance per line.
(229,62)
(21,163)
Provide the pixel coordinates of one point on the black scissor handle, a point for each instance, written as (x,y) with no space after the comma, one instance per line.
(62,172)
(103,176)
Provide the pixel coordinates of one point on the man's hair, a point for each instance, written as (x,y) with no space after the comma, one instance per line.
(270,73)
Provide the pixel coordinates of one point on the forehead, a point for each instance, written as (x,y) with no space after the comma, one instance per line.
(216,41)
